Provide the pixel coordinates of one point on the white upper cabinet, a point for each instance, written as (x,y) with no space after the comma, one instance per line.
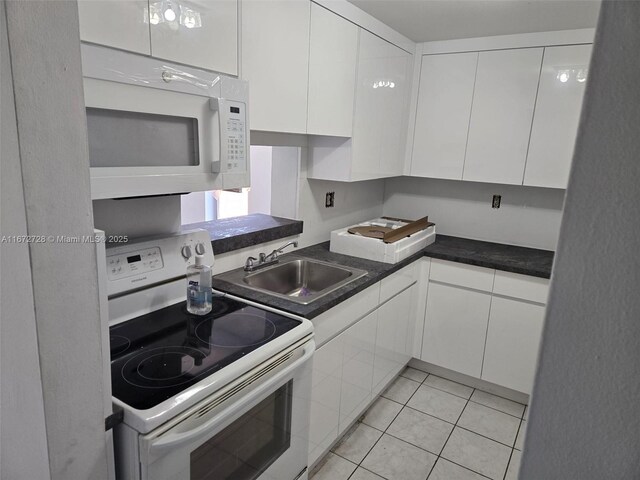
(501,115)
(202,33)
(333,53)
(275,60)
(555,122)
(442,116)
(376,149)
(199,33)
(123,24)
(379,130)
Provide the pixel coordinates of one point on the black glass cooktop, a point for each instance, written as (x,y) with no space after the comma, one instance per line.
(158,355)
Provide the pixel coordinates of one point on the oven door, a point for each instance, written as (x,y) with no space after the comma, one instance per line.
(257,428)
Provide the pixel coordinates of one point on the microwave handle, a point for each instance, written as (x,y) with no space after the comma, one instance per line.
(174,440)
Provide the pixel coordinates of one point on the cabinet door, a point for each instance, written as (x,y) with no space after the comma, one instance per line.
(275,60)
(501,115)
(394,338)
(455,328)
(397,69)
(357,369)
(333,54)
(325,397)
(379,129)
(122,24)
(513,338)
(555,122)
(442,116)
(201,33)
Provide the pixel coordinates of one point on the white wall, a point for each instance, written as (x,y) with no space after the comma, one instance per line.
(585,409)
(138,217)
(260,191)
(23,437)
(193,207)
(44,51)
(528,216)
(285,164)
(354,202)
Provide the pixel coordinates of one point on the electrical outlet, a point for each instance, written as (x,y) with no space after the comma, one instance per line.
(329,199)
(495,203)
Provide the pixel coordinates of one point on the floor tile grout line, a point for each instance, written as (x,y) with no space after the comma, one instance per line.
(430,415)
(484,436)
(504,477)
(456,424)
(445,391)
(466,468)
(384,432)
(497,410)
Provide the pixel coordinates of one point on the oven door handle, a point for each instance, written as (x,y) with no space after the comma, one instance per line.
(173,440)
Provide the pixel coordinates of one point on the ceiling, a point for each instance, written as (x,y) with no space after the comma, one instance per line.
(429,20)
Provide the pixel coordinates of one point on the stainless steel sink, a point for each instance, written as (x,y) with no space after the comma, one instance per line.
(298,279)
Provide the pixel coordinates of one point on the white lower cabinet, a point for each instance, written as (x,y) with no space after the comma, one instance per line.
(513,339)
(455,328)
(352,368)
(357,369)
(325,397)
(484,323)
(394,339)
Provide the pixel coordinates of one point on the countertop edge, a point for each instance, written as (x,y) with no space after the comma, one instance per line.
(227,235)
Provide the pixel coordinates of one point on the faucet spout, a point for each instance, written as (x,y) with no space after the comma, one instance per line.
(265,260)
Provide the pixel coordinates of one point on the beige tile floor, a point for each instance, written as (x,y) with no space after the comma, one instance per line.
(427,427)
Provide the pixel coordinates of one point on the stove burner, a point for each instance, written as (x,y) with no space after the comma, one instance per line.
(118,344)
(161,367)
(236,330)
(156,367)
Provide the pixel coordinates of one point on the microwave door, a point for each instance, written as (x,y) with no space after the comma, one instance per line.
(147,141)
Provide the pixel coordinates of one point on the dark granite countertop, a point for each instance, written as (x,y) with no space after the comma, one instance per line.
(376,271)
(509,258)
(527,261)
(246,231)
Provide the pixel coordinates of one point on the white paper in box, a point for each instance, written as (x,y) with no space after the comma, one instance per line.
(374,248)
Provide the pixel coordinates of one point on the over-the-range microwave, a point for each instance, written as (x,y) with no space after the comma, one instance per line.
(156,128)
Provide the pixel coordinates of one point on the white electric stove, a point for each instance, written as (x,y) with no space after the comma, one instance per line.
(220,396)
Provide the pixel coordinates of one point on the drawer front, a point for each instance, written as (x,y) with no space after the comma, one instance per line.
(342,316)
(521,286)
(398,281)
(460,274)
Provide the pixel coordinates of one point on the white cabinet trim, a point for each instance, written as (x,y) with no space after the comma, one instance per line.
(371,24)
(502,42)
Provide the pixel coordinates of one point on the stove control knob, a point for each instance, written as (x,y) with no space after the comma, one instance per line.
(200,249)
(186,252)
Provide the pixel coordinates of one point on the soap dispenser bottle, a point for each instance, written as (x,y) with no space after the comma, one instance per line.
(199,287)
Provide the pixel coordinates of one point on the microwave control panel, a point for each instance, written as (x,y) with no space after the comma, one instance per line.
(233,136)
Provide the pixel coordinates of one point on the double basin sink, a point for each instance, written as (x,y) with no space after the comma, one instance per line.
(298,279)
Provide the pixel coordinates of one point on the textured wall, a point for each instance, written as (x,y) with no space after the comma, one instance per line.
(23,453)
(585,411)
(49,107)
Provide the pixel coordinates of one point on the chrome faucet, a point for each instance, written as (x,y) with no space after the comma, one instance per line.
(265,260)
